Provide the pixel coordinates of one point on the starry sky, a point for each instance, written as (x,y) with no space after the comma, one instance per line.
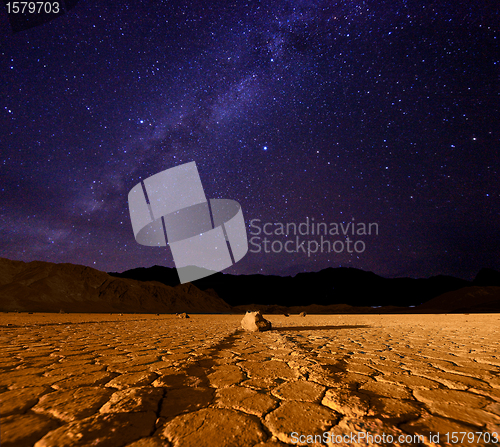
(358,111)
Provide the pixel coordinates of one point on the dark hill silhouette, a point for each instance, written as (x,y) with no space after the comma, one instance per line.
(468,299)
(487,277)
(47,287)
(330,286)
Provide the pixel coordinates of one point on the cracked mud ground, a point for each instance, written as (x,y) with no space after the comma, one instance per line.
(147,380)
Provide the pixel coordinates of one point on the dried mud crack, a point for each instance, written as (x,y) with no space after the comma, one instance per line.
(139,381)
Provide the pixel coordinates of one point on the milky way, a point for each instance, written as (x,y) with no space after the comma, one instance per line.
(353,111)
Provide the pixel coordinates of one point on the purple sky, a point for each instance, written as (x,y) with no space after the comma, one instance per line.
(379,111)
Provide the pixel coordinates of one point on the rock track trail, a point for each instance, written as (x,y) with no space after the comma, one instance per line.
(148,381)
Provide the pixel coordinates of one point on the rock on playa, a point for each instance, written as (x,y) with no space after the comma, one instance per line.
(254,321)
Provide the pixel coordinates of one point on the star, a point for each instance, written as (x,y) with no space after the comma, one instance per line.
(366,113)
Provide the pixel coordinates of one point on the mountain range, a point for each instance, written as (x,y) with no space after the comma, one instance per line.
(47,287)
(331,286)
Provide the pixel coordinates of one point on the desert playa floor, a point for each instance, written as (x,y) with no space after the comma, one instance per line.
(148,380)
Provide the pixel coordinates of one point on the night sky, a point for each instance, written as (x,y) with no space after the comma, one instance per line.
(377,111)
